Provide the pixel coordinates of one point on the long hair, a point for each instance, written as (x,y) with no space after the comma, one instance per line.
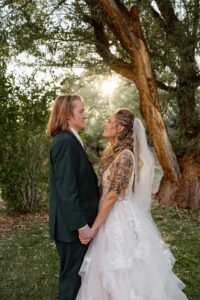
(62,110)
(124,118)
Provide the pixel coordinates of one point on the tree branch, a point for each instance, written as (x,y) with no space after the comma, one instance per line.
(168,14)
(158,18)
(61,2)
(120,23)
(165,87)
(103,49)
(185,6)
(196,16)
(19,9)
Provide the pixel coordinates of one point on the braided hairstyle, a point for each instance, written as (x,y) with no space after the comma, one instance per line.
(124,118)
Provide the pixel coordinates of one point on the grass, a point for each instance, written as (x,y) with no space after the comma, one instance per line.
(181,231)
(29,262)
(29,265)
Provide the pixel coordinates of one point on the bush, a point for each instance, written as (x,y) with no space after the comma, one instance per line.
(25,146)
(25,177)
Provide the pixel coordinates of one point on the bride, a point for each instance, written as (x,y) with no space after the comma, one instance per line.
(127,259)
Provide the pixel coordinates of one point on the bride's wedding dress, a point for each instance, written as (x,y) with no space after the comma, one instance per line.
(128,260)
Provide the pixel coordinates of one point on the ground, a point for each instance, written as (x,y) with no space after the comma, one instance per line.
(29,262)
(10,223)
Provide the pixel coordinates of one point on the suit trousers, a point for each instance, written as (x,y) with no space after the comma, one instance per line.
(71,258)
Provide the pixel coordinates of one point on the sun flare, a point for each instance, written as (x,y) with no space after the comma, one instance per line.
(108,86)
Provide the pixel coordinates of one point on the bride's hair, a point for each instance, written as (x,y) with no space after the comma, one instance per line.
(124,118)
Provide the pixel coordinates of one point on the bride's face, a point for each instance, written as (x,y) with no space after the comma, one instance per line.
(110,127)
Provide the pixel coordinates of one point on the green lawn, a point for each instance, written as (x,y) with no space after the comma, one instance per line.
(29,262)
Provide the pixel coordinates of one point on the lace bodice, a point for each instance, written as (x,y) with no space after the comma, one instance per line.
(119,175)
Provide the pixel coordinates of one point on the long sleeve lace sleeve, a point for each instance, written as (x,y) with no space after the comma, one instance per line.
(121,172)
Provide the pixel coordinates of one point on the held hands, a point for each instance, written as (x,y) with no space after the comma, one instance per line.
(86,234)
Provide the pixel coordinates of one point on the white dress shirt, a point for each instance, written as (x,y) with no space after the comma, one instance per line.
(77,135)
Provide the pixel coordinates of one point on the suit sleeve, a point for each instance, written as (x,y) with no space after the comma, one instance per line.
(65,164)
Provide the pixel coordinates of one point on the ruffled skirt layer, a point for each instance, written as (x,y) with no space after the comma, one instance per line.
(128,260)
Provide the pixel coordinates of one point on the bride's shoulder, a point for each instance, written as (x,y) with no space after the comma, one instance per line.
(126,152)
(125,155)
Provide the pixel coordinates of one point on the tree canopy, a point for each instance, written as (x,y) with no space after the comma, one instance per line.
(154,44)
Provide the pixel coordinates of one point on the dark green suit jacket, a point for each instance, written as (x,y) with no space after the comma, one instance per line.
(74,194)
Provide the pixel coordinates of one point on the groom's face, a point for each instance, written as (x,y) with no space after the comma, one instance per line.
(77,119)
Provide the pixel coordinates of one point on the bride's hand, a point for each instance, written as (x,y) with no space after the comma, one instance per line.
(86,235)
(85,241)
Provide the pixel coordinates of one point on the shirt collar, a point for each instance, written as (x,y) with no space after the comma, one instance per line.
(77,135)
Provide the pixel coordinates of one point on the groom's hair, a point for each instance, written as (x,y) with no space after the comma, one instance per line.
(62,109)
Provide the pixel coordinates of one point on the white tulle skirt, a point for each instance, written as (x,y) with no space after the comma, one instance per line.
(128,260)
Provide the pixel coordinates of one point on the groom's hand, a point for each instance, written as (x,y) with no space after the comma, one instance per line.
(86,234)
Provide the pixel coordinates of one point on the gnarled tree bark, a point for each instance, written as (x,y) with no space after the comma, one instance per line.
(175,185)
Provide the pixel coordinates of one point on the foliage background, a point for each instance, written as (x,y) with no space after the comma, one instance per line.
(43,47)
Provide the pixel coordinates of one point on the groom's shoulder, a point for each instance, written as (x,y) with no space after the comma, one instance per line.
(62,138)
(62,135)
(62,141)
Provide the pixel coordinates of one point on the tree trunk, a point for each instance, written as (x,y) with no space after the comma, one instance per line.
(175,185)
(186,97)
(188,193)
(189,189)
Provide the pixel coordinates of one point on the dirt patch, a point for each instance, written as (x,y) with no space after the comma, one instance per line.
(9,223)
(2,204)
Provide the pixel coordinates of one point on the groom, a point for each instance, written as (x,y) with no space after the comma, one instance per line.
(74,195)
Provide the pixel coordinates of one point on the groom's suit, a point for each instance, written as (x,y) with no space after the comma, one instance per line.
(73,203)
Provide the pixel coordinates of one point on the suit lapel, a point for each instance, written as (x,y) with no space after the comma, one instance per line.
(81,147)
(85,153)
